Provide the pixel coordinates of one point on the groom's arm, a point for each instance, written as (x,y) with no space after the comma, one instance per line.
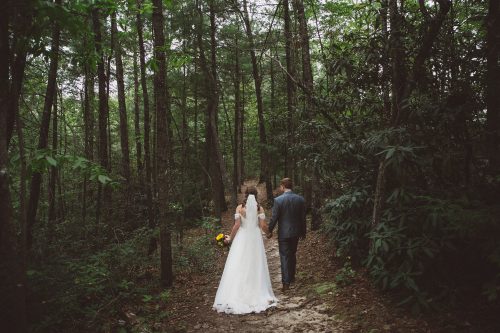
(275,216)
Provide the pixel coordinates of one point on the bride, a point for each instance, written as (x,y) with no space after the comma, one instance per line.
(245,285)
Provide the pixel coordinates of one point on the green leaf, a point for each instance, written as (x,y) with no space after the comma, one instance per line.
(103,179)
(51,161)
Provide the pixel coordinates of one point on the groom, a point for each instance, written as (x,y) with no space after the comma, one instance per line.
(289,212)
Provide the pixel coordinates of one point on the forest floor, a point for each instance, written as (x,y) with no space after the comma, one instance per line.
(315,303)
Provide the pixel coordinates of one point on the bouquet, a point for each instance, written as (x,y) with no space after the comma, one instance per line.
(219,239)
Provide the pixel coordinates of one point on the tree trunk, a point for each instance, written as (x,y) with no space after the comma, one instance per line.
(264,159)
(137,121)
(238,124)
(290,91)
(147,126)
(493,85)
(242,134)
(273,162)
(53,174)
(107,75)
(21,25)
(121,101)
(213,146)
(218,165)
(88,119)
(307,76)
(163,148)
(103,195)
(12,270)
(386,75)
(50,94)
(88,113)
(312,185)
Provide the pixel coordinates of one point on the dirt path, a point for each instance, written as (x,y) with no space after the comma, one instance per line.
(296,311)
(315,303)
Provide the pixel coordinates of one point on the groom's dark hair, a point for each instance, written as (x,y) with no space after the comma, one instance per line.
(287,183)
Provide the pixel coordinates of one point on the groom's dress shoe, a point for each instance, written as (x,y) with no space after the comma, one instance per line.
(286,286)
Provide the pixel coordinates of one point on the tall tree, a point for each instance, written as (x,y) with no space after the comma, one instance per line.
(53,171)
(12,276)
(238,122)
(103,196)
(163,149)
(50,95)
(12,256)
(290,90)
(146,119)
(264,160)
(88,118)
(22,27)
(312,185)
(213,146)
(493,84)
(122,108)
(137,119)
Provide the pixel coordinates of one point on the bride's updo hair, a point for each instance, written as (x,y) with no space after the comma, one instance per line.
(248,191)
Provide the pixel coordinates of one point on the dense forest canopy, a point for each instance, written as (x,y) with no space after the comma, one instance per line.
(126,123)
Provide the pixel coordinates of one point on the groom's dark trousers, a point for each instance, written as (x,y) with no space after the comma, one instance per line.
(288,250)
(289,213)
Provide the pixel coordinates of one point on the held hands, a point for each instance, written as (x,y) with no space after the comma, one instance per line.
(227,239)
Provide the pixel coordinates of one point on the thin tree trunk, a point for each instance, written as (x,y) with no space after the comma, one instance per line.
(218,165)
(53,174)
(195,97)
(88,119)
(121,101)
(242,132)
(386,75)
(107,75)
(186,151)
(493,85)
(50,94)
(147,124)
(290,90)
(61,209)
(163,150)
(103,194)
(137,124)
(312,185)
(264,156)
(238,123)
(212,140)
(273,162)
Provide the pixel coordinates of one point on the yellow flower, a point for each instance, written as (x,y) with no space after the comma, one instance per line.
(219,237)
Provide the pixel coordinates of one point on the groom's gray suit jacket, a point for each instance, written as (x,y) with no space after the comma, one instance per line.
(289,212)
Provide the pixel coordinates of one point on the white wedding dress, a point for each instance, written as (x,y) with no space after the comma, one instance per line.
(245,285)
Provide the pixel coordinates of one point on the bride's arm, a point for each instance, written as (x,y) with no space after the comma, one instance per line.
(262,221)
(236,226)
